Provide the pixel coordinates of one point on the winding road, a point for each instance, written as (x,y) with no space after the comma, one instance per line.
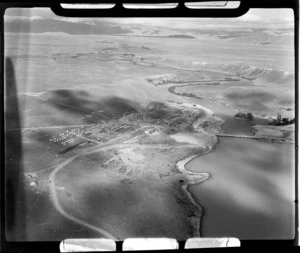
(97,148)
(63,212)
(53,192)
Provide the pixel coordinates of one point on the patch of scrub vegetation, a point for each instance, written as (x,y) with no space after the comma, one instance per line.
(279,121)
(184,94)
(243,115)
(159,110)
(172,116)
(69,148)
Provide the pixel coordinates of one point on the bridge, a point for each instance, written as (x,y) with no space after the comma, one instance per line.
(239,136)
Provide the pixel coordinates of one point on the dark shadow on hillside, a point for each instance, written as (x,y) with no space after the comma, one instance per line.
(82,102)
(14,196)
(158,110)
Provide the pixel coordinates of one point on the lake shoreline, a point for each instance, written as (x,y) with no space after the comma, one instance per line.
(200,177)
(238,212)
(193,178)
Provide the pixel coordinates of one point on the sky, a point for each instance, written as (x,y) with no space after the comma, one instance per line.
(273,18)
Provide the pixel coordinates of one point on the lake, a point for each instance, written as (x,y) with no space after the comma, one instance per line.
(250,192)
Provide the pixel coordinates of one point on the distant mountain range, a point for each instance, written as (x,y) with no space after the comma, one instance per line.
(54,25)
(263,36)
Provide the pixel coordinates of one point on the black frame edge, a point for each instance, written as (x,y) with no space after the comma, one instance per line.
(53,246)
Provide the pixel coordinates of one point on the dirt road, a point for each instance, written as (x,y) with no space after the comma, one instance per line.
(62,211)
(53,192)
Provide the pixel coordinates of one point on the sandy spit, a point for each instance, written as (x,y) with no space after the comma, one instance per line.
(192,178)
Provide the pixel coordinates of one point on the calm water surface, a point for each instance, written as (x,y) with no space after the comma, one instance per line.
(250,192)
(232,125)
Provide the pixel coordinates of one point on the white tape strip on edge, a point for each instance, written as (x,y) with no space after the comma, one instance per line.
(150,244)
(87,245)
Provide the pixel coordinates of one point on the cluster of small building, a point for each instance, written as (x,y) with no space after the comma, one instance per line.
(68,136)
(99,131)
(95,131)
